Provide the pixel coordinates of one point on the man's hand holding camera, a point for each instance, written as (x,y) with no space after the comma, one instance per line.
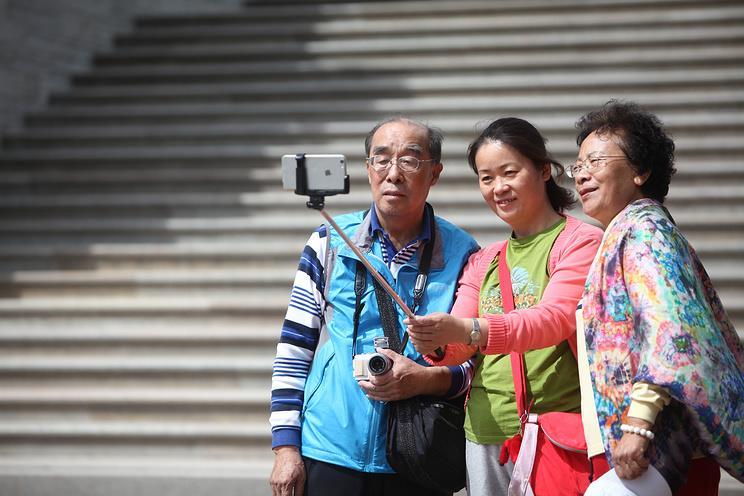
(405,379)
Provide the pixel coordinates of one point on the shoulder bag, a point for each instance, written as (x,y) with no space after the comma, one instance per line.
(425,434)
(550,454)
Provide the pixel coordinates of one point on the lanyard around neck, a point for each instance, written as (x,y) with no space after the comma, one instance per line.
(384,302)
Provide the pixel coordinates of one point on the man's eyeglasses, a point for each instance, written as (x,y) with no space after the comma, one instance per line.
(591,164)
(381,163)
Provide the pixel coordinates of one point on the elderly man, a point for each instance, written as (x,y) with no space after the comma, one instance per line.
(329,430)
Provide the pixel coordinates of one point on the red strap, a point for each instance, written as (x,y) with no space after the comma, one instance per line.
(517,359)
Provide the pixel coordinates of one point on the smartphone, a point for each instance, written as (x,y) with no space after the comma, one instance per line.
(325,174)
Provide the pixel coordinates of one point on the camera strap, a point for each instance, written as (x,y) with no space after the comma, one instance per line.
(388,314)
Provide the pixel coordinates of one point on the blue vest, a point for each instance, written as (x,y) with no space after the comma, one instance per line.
(340,425)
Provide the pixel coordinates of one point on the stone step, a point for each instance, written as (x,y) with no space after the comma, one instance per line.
(327,14)
(589,17)
(711,246)
(362,45)
(262,161)
(456,190)
(164,312)
(144,433)
(132,399)
(63,340)
(197,256)
(134,368)
(714,217)
(258,332)
(272,304)
(119,472)
(515,82)
(133,378)
(249,283)
(329,67)
(193,468)
(429,107)
(149,256)
(156,364)
(184,205)
(554,124)
(291,10)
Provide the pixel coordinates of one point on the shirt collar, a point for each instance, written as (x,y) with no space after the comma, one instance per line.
(375,226)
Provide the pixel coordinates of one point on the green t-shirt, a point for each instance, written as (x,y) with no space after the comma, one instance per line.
(552,374)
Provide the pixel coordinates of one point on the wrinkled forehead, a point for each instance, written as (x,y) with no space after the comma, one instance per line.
(602,141)
(400,137)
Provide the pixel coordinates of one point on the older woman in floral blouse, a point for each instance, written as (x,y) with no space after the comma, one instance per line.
(662,382)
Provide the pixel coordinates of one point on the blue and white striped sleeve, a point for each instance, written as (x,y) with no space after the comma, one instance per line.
(297,344)
(462,376)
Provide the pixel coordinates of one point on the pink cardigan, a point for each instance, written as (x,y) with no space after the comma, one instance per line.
(547,323)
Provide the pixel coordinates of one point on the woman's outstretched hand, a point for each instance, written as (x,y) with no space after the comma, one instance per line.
(429,332)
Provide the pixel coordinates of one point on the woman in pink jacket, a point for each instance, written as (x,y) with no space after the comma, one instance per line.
(549,254)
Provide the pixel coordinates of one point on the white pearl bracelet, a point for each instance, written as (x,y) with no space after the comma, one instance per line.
(637,430)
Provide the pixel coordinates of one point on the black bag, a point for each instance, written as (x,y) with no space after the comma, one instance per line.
(425,438)
(426,441)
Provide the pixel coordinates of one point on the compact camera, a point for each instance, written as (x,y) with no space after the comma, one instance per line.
(368,364)
(315,175)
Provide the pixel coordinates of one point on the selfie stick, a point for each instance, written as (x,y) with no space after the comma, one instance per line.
(366,263)
(317,202)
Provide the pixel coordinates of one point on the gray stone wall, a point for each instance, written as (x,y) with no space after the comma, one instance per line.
(43,42)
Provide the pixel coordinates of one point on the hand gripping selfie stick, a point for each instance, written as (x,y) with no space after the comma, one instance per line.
(317,202)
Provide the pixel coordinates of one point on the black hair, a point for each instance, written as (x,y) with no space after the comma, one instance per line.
(641,136)
(527,140)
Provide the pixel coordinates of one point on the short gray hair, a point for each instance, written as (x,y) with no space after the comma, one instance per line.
(436,136)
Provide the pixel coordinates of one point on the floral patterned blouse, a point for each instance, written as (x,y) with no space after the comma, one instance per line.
(651,314)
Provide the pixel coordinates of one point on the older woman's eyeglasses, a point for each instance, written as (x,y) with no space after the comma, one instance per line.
(381,163)
(591,164)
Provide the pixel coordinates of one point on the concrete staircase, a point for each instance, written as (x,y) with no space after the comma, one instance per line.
(147,250)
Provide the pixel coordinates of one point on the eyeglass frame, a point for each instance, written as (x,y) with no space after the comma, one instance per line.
(572,170)
(371,161)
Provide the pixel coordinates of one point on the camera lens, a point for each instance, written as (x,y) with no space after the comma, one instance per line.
(378,364)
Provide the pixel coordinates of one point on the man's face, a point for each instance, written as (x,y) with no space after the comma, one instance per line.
(401,195)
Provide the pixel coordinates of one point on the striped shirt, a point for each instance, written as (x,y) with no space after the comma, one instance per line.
(406,253)
(299,339)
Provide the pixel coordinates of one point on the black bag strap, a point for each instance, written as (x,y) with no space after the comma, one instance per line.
(388,314)
(360,283)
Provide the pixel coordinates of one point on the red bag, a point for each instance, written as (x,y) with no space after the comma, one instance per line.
(550,457)
(550,454)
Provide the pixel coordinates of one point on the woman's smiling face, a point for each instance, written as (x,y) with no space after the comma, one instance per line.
(511,184)
(609,188)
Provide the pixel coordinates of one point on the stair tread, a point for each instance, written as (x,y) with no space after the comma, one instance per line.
(410,83)
(111,429)
(161,363)
(351,129)
(191,276)
(589,16)
(137,72)
(693,143)
(545,100)
(41,395)
(383,8)
(182,303)
(354,199)
(432,42)
(136,466)
(250,332)
(304,220)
